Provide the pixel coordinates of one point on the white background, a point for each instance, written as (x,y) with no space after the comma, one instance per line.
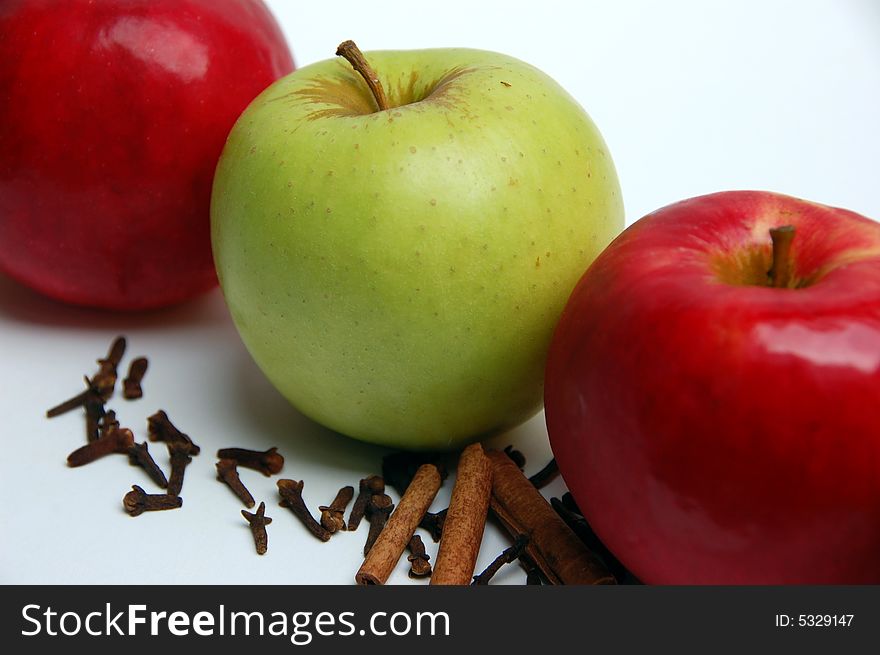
(692,97)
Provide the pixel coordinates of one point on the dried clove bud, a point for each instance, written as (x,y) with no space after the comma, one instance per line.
(373,484)
(114,356)
(139,455)
(269,462)
(509,555)
(180,453)
(101,384)
(332,515)
(433,523)
(420,566)
(160,428)
(118,440)
(533,573)
(516,456)
(227,471)
(568,501)
(546,475)
(378,511)
(107,423)
(137,501)
(131,385)
(71,403)
(291,497)
(94,408)
(258,523)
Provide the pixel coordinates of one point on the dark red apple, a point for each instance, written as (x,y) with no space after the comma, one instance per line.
(113,114)
(712,427)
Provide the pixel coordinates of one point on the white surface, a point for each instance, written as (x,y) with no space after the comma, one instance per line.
(203,377)
(692,97)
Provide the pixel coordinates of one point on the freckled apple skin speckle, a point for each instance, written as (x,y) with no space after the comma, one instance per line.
(398,274)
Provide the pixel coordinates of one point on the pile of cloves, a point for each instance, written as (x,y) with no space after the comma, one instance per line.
(106,436)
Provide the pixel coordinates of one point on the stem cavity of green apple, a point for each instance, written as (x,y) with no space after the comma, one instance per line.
(780,273)
(353,55)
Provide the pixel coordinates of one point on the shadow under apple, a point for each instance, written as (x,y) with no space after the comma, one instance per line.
(19,304)
(272,419)
(304,443)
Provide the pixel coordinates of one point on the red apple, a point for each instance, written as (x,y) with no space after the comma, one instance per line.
(112,118)
(716,429)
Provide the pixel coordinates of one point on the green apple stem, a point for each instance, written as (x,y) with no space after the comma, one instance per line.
(354,56)
(780,268)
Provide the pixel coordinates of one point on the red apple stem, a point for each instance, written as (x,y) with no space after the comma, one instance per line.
(780,272)
(354,56)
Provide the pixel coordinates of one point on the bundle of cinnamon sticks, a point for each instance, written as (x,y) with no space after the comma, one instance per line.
(486,481)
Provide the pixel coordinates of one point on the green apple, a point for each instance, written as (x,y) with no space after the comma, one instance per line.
(397,273)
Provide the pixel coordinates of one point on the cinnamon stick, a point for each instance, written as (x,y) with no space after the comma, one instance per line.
(465,520)
(555,549)
(402,523)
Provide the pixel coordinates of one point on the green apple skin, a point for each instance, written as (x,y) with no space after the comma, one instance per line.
(398,274)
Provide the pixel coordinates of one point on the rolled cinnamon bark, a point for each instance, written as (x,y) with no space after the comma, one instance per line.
(554,548)
(465,520)
(402,523)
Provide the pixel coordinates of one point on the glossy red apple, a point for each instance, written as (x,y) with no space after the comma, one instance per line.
(715,429)
(112,117)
